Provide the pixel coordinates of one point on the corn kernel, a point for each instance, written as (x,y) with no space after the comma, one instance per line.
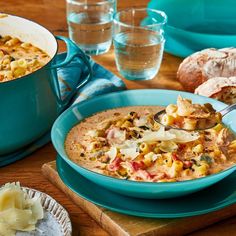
(178,165)
(186,172)
(126,124)
(19,72)
(156,126)
(119,123)
(148,159)
(22,63)
(217,152)
(1,54)
(6,61)
(122,171)
(200,170)
(218,117)
(218,127)
(156,150)
(198,148)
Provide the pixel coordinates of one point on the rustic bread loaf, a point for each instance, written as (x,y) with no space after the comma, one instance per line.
(206,64)
(220,88)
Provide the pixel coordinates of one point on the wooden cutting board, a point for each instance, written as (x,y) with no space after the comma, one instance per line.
(124,225)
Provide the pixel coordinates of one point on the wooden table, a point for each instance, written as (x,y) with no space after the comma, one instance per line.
(51,14)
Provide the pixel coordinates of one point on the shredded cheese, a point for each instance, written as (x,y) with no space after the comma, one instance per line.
(17,211)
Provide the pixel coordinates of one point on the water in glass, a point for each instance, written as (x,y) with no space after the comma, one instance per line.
(138,54)
(90,27)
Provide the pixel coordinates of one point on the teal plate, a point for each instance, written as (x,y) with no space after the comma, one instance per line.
(214,198)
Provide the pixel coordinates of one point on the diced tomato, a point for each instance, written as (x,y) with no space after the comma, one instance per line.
(138,165)
(187,164)
(115,165)
(175,157)
(181,147)
(152,175)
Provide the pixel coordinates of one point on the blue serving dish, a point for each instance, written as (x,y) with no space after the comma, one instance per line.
(197,24)
(202,202)
(78,112)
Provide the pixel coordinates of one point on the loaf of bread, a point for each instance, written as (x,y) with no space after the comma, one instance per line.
(220,88)
(206,64)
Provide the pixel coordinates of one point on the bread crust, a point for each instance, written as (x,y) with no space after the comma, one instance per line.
(206,64)
(220,88)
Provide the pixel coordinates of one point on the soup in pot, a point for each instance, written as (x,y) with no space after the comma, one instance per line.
(19,58)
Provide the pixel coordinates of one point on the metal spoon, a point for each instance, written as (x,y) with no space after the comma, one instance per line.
(226,110)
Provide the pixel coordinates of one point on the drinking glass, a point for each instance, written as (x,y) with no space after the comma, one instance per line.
(90,24)
(139,42)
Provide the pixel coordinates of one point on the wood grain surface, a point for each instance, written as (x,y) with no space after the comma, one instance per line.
(51,14)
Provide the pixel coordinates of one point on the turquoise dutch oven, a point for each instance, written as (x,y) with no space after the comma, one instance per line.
(197,24)
(78,112)
(29,105)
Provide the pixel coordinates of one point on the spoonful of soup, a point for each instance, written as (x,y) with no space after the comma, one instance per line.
(188,116)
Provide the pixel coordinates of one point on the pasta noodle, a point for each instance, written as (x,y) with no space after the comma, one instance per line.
(18,59)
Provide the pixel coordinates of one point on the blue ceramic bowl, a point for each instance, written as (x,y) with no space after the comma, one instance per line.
(197,24)
(78,112)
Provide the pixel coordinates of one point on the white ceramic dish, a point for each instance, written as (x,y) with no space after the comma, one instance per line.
(56,220)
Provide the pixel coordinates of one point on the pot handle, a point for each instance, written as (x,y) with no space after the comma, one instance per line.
(72,51)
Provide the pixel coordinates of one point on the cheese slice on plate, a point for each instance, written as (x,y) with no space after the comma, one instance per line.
(17,211)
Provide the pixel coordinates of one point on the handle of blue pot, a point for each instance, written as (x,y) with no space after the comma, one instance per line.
(72,51)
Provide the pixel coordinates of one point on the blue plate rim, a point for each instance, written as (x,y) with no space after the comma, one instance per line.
(136,213)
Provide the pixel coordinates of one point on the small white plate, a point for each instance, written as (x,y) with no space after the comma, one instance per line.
(56,219)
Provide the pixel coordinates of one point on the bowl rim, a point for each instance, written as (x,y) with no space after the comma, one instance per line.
(66,113)
(45,65)
(193,33)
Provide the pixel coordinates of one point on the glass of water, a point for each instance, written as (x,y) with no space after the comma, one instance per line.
(139,42)
(90,24)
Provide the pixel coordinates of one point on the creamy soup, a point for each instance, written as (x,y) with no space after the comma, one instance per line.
(19,58)
(126,143)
